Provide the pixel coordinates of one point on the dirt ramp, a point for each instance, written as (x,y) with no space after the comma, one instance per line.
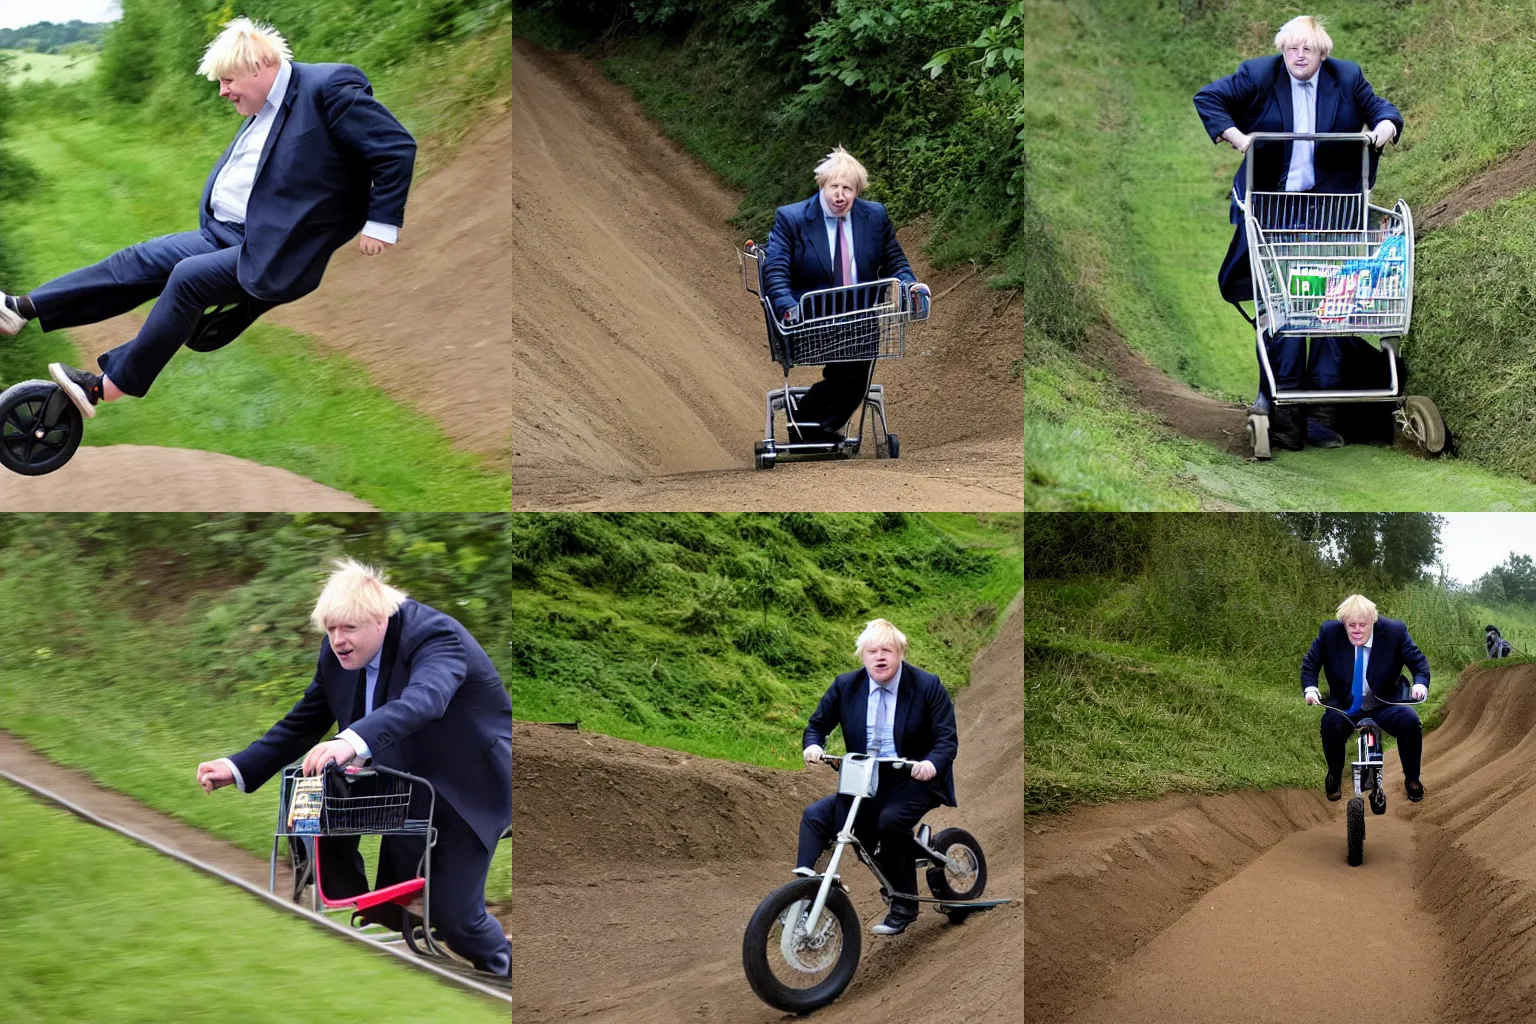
(638,868)
(144,478)
(1477,855)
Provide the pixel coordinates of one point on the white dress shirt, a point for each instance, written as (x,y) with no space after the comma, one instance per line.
(232,187)
(830,221)
(1302,175)
(881,746)
(370,674)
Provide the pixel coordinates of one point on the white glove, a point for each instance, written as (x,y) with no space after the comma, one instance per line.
(1420,691)
(1383,133)
(813,754)
(923,771)
(1237,140)
(1312,696)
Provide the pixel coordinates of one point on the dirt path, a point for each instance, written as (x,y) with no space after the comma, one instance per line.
(654,860)
(1243,907)
(1186,410)
(640,363)
(1510,176)
(143,478)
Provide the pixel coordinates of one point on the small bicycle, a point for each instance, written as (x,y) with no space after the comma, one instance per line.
(802,943)
(849,323)
(1368,763)
(366,801)
(40,428)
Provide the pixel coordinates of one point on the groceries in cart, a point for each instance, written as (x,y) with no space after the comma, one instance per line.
(1356,285)
(304,810)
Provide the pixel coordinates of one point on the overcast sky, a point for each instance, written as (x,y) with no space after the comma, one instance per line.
(1474,542)
(16,13)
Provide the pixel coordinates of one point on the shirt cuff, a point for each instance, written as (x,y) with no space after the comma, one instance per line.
(383,232)
(239,779)
(363,753)
(1312,690)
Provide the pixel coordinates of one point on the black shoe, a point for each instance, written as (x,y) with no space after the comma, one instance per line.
(1320,432)
(894,924)
(1331,786)
(1415,790)
(1287,428)
(1378,801)
(83,389)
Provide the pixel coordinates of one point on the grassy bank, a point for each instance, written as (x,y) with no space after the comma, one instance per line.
(165,942)
(1137,211)
(110,175)
(717,634)
(1182,673)
(166,641)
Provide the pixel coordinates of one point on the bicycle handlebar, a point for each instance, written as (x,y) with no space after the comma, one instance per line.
(835,761)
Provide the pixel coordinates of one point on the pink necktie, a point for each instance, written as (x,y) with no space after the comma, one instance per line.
(845,247)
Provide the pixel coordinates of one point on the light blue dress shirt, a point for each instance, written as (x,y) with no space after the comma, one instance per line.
(883,745)
(829,219)
(1302,175)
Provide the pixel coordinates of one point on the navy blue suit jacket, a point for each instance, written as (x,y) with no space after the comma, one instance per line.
(1391,649)
(799,260)
(335,159)
(1257,98)
(924,729)
(440,711)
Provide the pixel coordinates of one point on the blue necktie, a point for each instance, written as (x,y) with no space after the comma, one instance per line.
(1357,691)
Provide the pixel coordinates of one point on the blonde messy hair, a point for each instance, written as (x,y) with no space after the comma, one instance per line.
(242,48)
(354,594)
(839,165)
(1357,607)
(879,631)
(1305,29)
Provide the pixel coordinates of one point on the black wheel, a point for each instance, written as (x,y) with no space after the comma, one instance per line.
(1423,425)
(893,445)
(790,970)
(40,428)
(966,876)
(1355,816)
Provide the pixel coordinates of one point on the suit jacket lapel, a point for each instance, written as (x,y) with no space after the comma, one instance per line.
(1327,100)
(906,697)
(864,263)
(279,120)
(817,225)
(856,715)
(1287,117)
(387,660)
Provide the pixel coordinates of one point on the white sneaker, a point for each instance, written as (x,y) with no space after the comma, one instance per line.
(11,322)
(805,872)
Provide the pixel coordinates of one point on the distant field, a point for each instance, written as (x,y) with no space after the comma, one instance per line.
(48,67)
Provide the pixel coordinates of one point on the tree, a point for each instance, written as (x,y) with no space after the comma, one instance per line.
(1401,546)
(1511,581)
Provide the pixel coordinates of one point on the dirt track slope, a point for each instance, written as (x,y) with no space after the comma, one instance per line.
(640,363)
(1242,907)
(637,869)
(143,478)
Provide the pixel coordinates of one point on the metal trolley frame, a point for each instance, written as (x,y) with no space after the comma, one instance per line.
(1328,264)
(853,323)
(383,812)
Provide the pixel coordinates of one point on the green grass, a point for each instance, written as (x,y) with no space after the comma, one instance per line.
(1138,209)
(48,67)
(651,628)
(101,929)
(110,178)
(1112,717)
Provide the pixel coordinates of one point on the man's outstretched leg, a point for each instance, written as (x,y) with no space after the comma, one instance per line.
(195,283)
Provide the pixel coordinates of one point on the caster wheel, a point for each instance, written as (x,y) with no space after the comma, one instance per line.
(1423,425)
(1258,436)
(763,455)
(40,428)
(893,446)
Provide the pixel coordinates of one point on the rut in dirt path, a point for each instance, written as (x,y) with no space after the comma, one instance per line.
(651,861)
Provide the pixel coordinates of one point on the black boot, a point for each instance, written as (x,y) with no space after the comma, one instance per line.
(1287,428)
(1321,432)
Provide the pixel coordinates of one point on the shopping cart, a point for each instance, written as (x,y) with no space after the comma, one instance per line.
(357,802)
(1333,264)
(852,323)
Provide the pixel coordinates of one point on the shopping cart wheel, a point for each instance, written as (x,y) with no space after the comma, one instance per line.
(1258,435)
(40,428)
(1422,423)
(763,455)
(893,446)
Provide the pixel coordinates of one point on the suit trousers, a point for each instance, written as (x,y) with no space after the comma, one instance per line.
(460,863)
(186,273)
(1399,722)
(833,400)
(888,818)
